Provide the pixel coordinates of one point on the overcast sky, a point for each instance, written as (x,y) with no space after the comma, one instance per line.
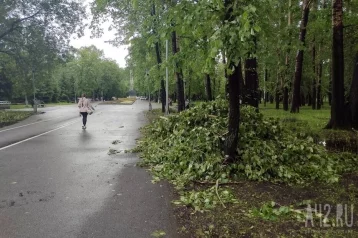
(118,54)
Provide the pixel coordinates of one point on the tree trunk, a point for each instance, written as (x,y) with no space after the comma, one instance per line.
(285,98)
(353,97)
(309,100)
(314,92)
(265,93)
(337,108)
(225,74)
(234,81)
(251,96)
(303,99)
(232,137)
(162,83)
(295,106)
(277,93)
(208,87)
(287,61)
(159,61)
(319,87)
(330,94)
(178,76)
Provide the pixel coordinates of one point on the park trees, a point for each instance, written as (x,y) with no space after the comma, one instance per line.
(243,47)
(35,35)
(59,18)
(91,73)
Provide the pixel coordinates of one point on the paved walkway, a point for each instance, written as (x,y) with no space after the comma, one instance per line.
(57,180)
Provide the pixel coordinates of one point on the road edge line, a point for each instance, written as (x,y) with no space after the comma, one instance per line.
(19,142)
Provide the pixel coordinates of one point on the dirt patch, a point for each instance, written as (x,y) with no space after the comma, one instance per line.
(236,220)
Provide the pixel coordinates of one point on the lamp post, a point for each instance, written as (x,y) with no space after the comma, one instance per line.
(33,84)
(166,80)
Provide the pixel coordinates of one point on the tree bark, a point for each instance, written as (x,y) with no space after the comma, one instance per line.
(314,91)
(265,93)
(338,117)
(319,86)
(251,96)
(178,76)
(295,106)
(287,61)
(232,137)
(208,87)
(353,97)
(277,93)
(225,74)
(330,93)
(234,81)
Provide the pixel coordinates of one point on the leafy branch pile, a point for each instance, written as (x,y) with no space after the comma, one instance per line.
(206,199)
(189,147)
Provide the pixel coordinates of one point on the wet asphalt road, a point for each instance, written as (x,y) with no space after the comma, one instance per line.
(57,180)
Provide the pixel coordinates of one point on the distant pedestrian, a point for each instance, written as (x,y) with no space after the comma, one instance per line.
(85,108)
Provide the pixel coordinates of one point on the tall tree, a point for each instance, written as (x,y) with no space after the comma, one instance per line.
(178,74)
(353,96)
(158,55)
(208,87)
(287,60)
(299,58)
(338,113)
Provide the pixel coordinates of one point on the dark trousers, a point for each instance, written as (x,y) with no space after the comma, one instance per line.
(84,117)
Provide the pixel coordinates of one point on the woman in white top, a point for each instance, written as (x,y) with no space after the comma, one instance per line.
(85,106)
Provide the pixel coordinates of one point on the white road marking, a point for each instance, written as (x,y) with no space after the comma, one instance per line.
(58,128)
(30,124)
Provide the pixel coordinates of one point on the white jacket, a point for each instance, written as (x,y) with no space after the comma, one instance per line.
(84,105)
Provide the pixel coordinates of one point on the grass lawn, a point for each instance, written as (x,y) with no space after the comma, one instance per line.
(22,106)
(312,122)
(7,118)
(59,104)
(315,119)
(18,106)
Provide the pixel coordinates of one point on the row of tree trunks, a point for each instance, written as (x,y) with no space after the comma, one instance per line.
(162,83)
(159,61)
(178,76)
(295,106)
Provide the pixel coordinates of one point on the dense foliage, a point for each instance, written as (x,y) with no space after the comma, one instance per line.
(36,56)
(268,30)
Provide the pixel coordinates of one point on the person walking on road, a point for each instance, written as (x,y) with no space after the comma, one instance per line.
(85,108)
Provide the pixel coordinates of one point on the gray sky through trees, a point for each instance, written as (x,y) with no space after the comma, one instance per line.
(117,54)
